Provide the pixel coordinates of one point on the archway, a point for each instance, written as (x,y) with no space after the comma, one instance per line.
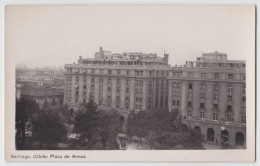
(239,139)
(122,120)
(210,134)
(184,127)
(224,139)
(71,112)
(197,129)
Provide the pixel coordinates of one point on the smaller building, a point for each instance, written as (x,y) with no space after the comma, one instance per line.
(43,95)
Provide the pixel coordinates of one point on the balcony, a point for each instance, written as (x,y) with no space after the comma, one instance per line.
(217,122)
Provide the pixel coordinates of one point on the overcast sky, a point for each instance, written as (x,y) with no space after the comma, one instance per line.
(57,35)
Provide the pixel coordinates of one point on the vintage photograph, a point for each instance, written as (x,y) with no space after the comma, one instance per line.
(130,77)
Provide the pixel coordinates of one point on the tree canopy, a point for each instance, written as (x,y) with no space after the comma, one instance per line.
(25,108)
(100,128)
(48,129)
(163,130)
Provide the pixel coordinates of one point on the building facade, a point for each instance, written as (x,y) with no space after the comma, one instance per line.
(44,96)
(210,93)
(128,81)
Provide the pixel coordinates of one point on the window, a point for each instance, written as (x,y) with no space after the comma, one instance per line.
(189,104)
(244,89)
(118,72)
(244,119)
(173,102)
(215,96)
(190,86)
(77,78)
(203,75)
(216,87)
(229,118)
(127,90)
(178,94)
(189,114)
(215,107)
(127,82)
(216,75)
(215,116)
(202,105)
(229,98)
(230,88)
(202,115)
(229,108)
(128,72)
(190,95)
(93,71)
(178,102)
(118,89)
(202,87)
(202,96)
(109,72)
(230,76)
(118,81)
(243,99)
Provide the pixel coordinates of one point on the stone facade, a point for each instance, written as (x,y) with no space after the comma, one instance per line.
(209,93)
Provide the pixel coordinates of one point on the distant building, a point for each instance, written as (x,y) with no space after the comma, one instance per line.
(211,96)
(43,95)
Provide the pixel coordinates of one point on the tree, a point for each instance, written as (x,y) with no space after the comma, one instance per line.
(48,129)
(99,128)
(163,130)
(25,108)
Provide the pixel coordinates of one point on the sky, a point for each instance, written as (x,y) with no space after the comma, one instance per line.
(40,36)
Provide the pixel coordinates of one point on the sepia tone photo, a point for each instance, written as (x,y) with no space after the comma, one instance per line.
(144,79)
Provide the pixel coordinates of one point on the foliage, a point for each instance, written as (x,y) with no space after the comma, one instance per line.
(99,127)
(48,129)
(163,130)
(25,108)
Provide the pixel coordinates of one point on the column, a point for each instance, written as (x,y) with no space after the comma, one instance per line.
(222,101)
(237,102)
(105,85)
(73,85)
(170,96)
(114,85)
(88,87)
(132,93)
(209,100)
(81,79)
(144,103)
(184,88)
(96,91)
(123,92)
(196,98)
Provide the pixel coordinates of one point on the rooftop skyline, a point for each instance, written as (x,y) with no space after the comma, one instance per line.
(57,35)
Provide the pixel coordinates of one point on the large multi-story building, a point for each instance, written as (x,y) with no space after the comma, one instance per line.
(211,96)
(209,93)
(128,81)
